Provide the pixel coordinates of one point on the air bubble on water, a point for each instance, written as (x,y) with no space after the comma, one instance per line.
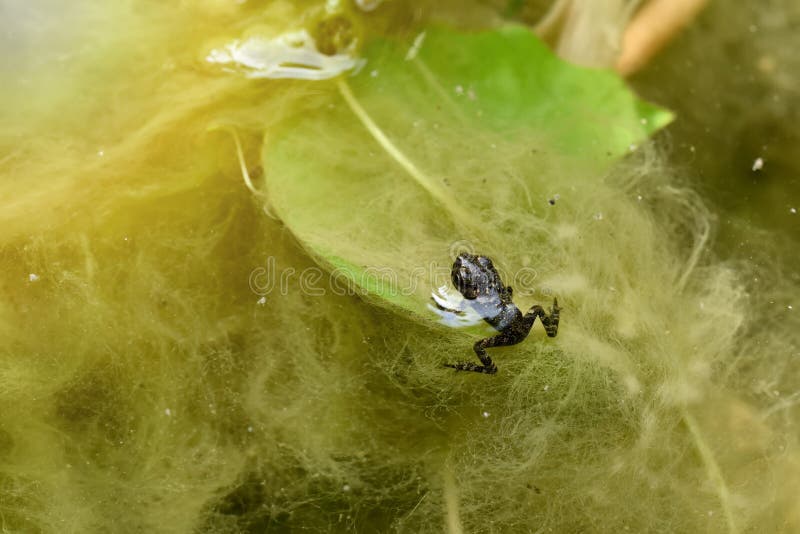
(368,5)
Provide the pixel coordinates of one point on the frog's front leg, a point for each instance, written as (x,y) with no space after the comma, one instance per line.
(445,302)
(488,367)
(550,322)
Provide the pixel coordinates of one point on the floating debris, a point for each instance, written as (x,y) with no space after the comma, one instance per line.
(291,55)
(368,5)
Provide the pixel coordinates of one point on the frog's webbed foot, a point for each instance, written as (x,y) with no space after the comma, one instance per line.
(469,366)
(442,307)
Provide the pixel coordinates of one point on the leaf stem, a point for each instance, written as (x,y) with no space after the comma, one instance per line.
(396,154)
(655,25)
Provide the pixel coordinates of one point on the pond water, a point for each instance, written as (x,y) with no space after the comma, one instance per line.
(175,356)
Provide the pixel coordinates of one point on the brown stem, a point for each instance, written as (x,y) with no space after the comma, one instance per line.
(653,26)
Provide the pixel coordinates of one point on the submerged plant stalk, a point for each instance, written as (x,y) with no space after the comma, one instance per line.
(451,501)
(713,470)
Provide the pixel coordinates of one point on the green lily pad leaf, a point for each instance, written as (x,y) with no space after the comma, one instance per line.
(455,141)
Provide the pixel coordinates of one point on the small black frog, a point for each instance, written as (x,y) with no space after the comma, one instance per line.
(478,281)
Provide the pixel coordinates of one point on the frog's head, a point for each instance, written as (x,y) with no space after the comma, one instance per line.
(472,275)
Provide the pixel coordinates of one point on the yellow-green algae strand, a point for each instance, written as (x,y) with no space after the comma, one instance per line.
(145,387)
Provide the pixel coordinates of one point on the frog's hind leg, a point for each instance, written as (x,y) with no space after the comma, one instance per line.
(480,347)
(550,322)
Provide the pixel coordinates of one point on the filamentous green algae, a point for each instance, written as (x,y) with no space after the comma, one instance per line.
(152,378)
